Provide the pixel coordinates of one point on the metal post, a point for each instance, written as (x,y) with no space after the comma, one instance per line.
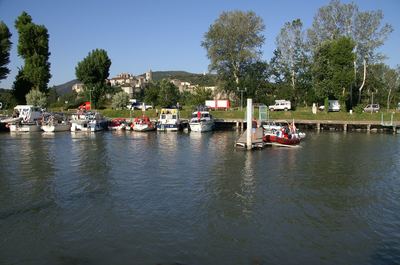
(241,96)
(249,123)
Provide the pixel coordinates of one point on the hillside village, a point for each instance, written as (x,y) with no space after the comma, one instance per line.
(136,84)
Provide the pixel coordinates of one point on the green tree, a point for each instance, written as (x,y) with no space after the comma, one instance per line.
(200,95)
(92,71)
(332,69)
(233,41)
(5,46)
(33,47)
(168,94)
(151,94)
(345,20)
(255,80)
(120,100)
(294,60)
(290,43)
(7,98)
(21,87)
(382,85)
(36,98)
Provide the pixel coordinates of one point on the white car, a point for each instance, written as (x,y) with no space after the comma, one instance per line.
(139,105)
(281,105)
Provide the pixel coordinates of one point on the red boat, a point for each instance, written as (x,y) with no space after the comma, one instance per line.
(283,137)
(143,124)
(117,124)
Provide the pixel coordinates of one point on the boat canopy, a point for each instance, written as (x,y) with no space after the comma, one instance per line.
(169,111)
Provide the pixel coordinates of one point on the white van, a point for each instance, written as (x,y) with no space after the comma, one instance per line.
(281,105)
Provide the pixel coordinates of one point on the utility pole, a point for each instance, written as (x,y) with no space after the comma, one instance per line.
(241,96)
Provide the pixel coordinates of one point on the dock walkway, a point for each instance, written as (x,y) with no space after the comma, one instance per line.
(256,139)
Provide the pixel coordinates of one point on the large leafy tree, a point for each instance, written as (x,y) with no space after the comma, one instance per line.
(292,61)
(382,85)
(92,71)
(365,28)
(5,46)
(200,95)
(33,47)
(151,94)
(21,87)
(120,100)
(168,93)
(256,82)
(36,98)
(290,43)
(233,41)
(332,69)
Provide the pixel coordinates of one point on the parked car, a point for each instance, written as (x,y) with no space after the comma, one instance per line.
(372,108)
(139,105)
(281,105)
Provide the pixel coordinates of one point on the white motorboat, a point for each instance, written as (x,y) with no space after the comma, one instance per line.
(169,120)
(26,118)
(201,121)
(56,122)
(88,122)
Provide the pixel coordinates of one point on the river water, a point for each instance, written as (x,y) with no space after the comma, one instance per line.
(190,198)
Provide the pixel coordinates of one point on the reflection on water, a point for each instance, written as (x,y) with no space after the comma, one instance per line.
(167,198)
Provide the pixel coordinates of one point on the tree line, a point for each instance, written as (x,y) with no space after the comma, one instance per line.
(336,58)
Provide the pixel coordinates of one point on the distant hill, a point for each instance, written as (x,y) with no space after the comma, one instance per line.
(65,88)
(196,79)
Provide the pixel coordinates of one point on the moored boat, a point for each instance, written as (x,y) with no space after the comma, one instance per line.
(142,124)
(26,118)
(56,122)
(272,127)
(201,121)
(117,124)
(169,120)
(285,135)
(88,122)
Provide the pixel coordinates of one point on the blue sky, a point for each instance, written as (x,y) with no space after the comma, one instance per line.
(158,35)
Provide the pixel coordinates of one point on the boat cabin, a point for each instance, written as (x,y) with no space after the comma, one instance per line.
(28,113)
(169,114)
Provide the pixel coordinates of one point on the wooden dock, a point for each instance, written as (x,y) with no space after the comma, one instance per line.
(320,125)
(256,139)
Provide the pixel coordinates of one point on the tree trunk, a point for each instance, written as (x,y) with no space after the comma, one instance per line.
(388,99)
(362,85)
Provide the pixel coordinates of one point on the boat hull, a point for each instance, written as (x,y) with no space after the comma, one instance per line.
(56,128)
(143,128)
(24,128)
(117,128)
(201,126)
(168,127)
(281,140)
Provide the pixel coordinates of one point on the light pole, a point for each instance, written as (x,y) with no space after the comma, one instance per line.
(241,96)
